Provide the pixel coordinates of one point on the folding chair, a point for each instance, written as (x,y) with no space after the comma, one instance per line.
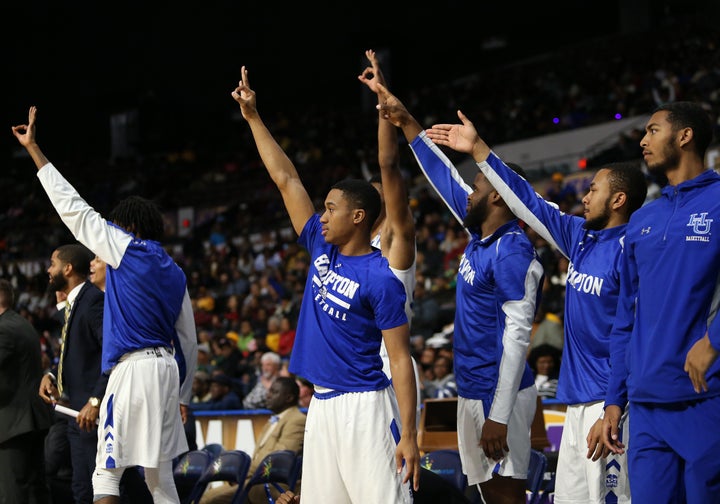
(446,463)
(536,475)
(434,489)
(214,449)
(231,466)
(280,466)
(187,472)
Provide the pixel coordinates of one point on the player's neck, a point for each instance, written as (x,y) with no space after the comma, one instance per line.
(357,246)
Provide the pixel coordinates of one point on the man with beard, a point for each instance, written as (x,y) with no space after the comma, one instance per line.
(666,336)
(78,371)
(593,246)
(499,284)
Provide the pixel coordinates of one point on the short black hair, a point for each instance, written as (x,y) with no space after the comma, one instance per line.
(627,177)
(687,114)
(361,194)
(289,386)
(77,255)
(140,216)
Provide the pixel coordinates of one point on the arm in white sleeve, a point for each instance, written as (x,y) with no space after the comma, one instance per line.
(186,354)
(108,242)
(519,316)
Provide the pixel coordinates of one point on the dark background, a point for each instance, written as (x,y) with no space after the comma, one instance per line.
(177,62)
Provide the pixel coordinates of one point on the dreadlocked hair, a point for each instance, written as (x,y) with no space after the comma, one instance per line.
(140,216)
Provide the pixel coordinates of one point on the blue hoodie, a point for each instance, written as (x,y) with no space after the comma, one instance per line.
(669,294)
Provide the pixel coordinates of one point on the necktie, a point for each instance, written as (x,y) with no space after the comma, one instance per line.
(63,337)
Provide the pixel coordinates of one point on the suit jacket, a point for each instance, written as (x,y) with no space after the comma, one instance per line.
(22,409)
(82,376)
(287,435)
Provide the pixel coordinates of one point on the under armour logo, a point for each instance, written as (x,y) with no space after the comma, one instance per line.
(646,230)
(701,224)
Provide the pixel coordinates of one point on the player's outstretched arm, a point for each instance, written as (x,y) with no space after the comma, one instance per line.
(278,164)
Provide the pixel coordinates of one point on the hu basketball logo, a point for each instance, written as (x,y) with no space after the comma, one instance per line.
(700,224)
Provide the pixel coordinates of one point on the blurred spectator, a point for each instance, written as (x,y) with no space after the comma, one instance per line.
(550,329)
(553,192)
(204,360)
(269,370)
(246,339)
(559,277)
(426,362)
(233,337)
(227,357)
(562,193)
(201,387)
(286,307)
(222,395)
(426,312)
(446,351)
(231,316)
(296,259)
(545,361)
(272,338)
(287,336)
(443,384)
(431,263)
(245,262)
(306,391)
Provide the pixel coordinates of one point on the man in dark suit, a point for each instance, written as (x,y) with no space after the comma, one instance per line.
(24,418)
(78,373)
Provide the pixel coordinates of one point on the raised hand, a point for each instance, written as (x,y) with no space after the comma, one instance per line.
(245,96)
(390,107)
(460,137)
(372,75)
(25,133)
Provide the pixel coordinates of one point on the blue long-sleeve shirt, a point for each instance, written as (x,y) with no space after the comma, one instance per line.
(499,283)
(669,295)
(592,288)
